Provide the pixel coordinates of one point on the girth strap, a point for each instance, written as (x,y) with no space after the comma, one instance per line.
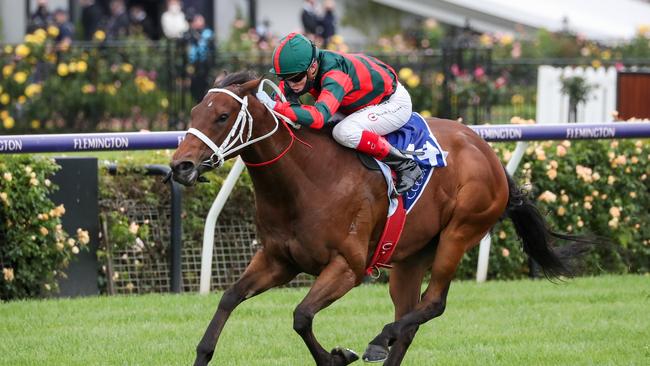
(389,239)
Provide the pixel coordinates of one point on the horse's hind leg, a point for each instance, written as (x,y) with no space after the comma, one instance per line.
(405,284)
(333,282)
(261,274)
(432,304)
(454,240)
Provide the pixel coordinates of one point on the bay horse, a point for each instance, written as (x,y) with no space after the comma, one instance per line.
(319,211)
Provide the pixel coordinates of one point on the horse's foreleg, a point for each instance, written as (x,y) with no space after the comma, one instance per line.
(333,282)
(261,274)
(405,284)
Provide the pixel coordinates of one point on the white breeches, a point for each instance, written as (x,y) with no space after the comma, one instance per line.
(381,119)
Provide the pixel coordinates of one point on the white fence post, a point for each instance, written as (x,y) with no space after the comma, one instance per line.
(483,258)
(210,224)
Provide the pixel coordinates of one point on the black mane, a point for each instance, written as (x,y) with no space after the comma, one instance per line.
(239,77)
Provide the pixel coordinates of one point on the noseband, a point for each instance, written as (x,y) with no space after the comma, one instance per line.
(243,126)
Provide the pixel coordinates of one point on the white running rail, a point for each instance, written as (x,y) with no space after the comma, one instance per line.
(211,221)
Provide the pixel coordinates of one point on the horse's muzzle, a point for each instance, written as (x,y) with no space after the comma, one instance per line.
(184,172)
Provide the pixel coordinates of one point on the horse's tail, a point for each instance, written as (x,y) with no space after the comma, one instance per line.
(536,237)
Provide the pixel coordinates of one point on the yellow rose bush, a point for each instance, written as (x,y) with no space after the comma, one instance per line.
(91,87)
(35,250)
(589,187)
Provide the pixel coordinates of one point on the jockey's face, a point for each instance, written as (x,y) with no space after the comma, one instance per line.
(298,84)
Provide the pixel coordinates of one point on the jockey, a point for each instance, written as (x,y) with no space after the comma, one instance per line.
(363,89)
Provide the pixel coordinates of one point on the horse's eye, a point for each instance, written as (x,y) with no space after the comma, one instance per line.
(222,118)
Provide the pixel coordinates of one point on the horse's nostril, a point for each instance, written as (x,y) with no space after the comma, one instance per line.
(184,166)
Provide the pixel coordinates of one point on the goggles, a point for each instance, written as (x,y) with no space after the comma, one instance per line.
(294,78)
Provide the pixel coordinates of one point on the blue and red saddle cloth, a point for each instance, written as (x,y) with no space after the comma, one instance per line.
(415,136)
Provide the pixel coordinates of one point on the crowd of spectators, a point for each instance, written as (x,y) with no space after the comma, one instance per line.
(117,21)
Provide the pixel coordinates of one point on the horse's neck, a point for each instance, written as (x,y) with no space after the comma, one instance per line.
(295,170)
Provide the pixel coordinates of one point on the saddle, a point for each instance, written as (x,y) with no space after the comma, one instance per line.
(414,136)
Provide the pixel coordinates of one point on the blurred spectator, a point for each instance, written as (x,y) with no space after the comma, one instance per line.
(201,40)
(309,18)
(118,24)
(263,30)
(200,53)
(328,23)
(92,18)
(41,18)
(140,23)
(173,20)
(66,30)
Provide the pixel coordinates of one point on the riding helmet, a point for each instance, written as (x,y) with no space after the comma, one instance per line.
(293,55)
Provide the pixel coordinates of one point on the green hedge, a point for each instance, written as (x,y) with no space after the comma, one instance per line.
(130,183)
(596,188)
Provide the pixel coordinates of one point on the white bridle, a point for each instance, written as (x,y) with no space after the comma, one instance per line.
(243,123)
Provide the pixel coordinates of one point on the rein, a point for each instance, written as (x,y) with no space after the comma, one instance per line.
(284,152)
(244,126)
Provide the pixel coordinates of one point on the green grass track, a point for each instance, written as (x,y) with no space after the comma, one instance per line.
(587,321)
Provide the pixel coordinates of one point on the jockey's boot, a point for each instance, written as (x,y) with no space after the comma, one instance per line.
(407,170)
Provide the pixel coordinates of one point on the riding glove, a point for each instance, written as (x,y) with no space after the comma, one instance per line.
(265,99)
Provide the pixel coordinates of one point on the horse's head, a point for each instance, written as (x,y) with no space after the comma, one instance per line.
(222,123)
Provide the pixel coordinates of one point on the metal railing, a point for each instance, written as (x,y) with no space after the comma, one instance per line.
(175,244)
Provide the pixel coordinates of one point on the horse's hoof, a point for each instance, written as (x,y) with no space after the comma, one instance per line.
(375,353)
(347,354)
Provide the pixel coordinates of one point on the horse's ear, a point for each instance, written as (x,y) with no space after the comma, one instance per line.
(250,87)
(219,77)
